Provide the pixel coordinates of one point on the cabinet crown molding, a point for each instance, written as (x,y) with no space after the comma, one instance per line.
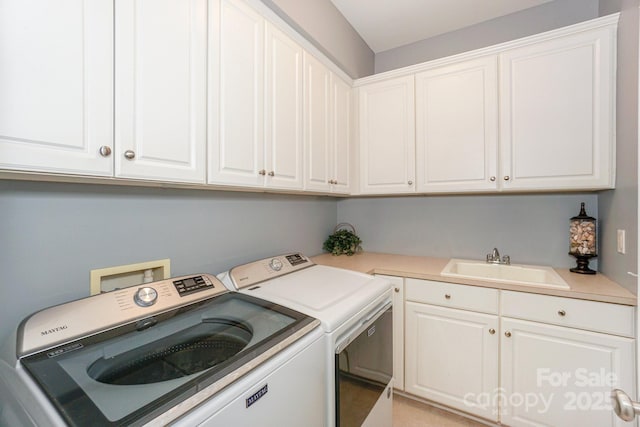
(601,22)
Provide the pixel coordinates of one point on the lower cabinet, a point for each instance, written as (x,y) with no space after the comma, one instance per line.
(557,376)
(452,357)
(517,358)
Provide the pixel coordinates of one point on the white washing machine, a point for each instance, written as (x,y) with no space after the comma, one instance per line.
(355,311)
(184,351)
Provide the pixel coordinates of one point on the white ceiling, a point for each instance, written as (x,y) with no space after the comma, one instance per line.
(386,24)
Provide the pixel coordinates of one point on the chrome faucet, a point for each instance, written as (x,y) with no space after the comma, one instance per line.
(494,258)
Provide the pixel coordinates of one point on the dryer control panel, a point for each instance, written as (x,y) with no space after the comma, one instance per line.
(255,272)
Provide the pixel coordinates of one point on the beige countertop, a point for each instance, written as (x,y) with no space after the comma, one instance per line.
(589,287)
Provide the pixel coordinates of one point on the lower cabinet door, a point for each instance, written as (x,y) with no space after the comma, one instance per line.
(556,376)
(451,357)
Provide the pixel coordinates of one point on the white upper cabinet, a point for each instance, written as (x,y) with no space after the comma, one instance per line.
(548,99)
(387,136)
(557,105)
(283,111)
(341,133)
(255,100)
(327,112)
(236,94)
(317,126)
(56,86)
(160,81)
(457,126)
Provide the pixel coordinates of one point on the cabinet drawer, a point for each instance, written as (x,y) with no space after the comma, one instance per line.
(484,300)
(590,315)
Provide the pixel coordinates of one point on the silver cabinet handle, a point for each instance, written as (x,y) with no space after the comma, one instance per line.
(562,313)
(105,151)
(507,178)
(262,172)
(410,182)
(492,179)
(507,334)
(272,173)
(447,296)
(396,289)
(624,407)
(129,154)
(492,331)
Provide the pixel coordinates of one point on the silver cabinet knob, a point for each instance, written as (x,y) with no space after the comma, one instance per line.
(492,331)
(492,179)
(410,182)
(129,154)
(507,334)
(507,178)
(562,313)
(624,407)
(105,151)
(272,173)
(396,289)
(262,172)
(447,296)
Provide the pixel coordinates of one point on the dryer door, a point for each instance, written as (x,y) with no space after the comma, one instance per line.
(364,367)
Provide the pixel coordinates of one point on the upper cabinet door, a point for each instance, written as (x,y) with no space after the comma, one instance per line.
(341,133)
(283,111)
(387,137)
(56,86)
(557,113)
(457,126)
(236,94)
(160,105)
(317,125)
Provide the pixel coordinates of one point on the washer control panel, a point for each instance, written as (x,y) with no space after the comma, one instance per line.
(246,275)
(190,285)
(67,322)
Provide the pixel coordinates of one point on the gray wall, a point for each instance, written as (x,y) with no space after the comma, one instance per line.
(532,229)
(323,25)
(619,208)
(545,17)
(54,234)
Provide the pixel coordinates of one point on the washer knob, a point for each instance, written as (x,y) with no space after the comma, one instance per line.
(145,297)
(275,264)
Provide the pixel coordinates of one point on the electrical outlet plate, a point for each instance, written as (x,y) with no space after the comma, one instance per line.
(622,244)
(121,276)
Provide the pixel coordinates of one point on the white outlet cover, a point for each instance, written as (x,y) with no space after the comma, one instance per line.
(622,249)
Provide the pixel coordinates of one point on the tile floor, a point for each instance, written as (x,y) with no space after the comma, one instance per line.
(409,413)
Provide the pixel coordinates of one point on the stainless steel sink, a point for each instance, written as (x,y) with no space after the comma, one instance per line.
(520,274)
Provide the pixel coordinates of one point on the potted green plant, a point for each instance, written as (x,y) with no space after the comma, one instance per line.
(343,241)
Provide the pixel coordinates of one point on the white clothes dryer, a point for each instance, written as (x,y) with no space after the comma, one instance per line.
(355,311)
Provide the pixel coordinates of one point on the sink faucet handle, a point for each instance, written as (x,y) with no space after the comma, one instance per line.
(506,260)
